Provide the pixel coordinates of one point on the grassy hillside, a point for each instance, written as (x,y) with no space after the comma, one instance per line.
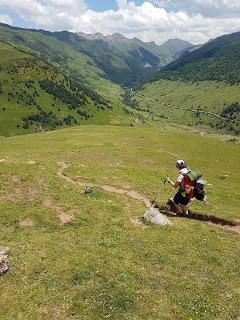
(68,49)
(172,101)
(217,60)
(201,88)
(103,263)
(46,82)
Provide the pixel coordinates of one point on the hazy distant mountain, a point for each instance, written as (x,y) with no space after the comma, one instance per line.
(165,53)
(216,60)
(175,47)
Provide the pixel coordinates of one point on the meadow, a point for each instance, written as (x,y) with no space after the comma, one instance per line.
(77,256)
(168,97)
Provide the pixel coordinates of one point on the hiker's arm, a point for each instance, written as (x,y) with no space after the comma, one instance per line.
(174,184)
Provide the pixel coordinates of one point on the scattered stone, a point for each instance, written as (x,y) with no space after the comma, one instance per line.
(153,215)
(2,160)
(224,176)
(3,260)
(88,190)
(32,162)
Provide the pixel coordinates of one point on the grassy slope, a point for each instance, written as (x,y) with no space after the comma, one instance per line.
(68,60)
(209,96)
(217,60)
(101,265)
(12,112)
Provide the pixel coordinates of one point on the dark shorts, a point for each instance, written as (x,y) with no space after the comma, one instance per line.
(180,199)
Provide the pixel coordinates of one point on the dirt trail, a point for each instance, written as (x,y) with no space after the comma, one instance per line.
(212,220)
(130,193)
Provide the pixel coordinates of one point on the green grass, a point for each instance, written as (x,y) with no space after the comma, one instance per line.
(17,67)
(100,265)
(208,96)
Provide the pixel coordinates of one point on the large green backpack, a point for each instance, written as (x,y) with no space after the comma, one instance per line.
(198,191)
(189,182)
(194,175)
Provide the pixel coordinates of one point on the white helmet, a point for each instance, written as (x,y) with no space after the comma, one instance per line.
(180,164)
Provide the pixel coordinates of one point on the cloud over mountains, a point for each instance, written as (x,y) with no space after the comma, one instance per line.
(194,20)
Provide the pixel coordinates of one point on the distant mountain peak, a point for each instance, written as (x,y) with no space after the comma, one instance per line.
(117,36)
(94,36)
(177,41)
(165,53)
(110,37)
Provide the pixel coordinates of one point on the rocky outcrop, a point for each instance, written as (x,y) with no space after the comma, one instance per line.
(153,215)
(3,260)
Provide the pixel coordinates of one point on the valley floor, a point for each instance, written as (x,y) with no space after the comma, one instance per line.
(199,104)
(77,256)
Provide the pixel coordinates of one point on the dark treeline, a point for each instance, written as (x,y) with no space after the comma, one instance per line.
(60,92)
(232,111)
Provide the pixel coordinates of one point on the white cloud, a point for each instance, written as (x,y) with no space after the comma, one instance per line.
(208,8)
(4,18)
(148,22)
(50,14)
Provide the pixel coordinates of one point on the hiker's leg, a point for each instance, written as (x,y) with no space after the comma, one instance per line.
(178,199)
(184,209)
(179,208)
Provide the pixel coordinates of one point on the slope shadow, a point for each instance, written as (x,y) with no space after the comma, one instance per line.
(170,211)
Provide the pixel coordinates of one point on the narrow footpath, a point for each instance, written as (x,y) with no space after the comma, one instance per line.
(210,219)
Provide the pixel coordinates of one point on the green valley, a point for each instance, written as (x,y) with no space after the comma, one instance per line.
(200,88)
(204,104)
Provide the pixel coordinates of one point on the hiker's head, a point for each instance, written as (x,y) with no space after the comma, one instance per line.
(180,164)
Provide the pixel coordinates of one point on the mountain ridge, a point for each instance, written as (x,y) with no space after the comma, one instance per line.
(166,52)
(217,60)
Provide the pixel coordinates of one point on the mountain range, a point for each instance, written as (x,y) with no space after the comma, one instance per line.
(153,55)
(55,79)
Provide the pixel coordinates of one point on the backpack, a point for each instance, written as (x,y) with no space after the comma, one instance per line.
(198,190)
(192,186)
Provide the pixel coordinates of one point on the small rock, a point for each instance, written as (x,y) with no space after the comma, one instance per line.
(2,160)
(153,215)
(32,162)
(88,190)
(4,251)
(3,260)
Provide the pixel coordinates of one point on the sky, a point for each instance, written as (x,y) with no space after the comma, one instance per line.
(195,21)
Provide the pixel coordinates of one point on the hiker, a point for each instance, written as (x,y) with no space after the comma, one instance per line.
(181,198)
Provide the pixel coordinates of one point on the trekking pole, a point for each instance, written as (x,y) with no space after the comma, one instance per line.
(167,177)
(158,193)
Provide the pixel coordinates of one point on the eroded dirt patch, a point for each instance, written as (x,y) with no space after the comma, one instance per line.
(65,217)
(27,223)
(137,222)
(13,189)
